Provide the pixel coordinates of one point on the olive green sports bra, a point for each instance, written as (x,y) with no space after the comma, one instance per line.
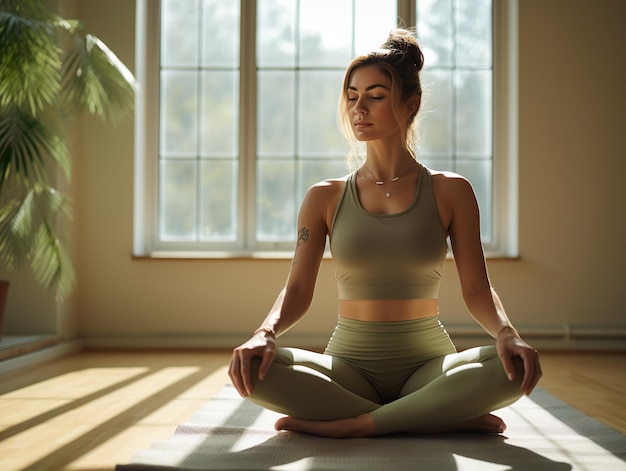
(388,256)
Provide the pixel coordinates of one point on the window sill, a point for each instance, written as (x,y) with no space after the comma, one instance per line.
(267,255)
(225,255)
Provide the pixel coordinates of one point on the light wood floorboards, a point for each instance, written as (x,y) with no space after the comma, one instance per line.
(93,410)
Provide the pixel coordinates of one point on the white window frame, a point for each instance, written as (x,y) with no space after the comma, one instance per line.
(504,241)
(505,131)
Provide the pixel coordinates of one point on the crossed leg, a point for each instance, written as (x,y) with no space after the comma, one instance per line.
(324,396)
(454,393)
(314,386)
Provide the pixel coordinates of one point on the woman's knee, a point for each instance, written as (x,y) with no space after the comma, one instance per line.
(488,357)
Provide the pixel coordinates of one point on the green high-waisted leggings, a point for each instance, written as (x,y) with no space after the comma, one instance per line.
(406,374)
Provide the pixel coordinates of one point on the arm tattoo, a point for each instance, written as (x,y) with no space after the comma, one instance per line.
(303,236)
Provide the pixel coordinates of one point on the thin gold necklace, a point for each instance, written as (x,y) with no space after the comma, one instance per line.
(381,182)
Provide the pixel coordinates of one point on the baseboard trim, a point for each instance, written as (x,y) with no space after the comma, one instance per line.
(192,341)
(462,339)
(43,355)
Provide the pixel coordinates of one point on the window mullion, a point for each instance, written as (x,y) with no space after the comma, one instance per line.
(146,165)
(406,13)
(247,125)
(198,157)
(505,128)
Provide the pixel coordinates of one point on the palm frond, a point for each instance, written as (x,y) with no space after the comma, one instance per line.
(13,250)
(25,146)
(95,80)
(30,62)
(27,235)
(50,263)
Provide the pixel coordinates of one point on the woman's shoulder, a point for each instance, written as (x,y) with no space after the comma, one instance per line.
(449,182)
(445,175)
(453,193)
(321,199)
(325,192)
(329,186)
(454,196)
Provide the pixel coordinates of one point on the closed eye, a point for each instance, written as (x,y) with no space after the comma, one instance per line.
(371,98)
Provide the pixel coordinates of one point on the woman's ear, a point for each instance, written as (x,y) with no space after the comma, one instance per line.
(413,105)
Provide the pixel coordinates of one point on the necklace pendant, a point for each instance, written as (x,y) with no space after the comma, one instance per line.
(387,194)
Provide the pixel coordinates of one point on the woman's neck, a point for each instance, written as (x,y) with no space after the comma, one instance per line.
(388,161)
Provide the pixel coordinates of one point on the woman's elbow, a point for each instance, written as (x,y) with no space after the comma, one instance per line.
(477,293)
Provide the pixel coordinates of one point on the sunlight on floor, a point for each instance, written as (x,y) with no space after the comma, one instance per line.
(76,418)
(565,423)
(93,410)
(154,426)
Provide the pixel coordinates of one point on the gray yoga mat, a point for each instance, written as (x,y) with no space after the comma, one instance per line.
(544,433)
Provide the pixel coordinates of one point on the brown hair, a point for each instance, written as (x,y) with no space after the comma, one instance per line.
(401,59)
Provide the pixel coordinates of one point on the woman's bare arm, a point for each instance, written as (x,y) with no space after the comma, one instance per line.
(295,298)
(460,215)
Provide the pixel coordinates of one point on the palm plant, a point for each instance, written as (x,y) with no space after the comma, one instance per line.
(50,69)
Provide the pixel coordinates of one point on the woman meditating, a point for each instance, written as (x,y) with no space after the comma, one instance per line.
(389,365)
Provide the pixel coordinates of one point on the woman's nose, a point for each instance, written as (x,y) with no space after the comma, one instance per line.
(360,107)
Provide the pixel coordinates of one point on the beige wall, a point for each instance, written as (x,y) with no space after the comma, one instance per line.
(572,117)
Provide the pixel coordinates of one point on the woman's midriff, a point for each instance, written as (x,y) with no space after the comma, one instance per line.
(381,310)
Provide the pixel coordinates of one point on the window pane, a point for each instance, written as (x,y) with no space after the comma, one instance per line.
(312,171)
(473,29)
(276,40)
(479,173)
(220,31)
(435,117)
(456,116)
(218,213)
(179,33)
(325,33)
(302,50)
(434,28)
(220,113)
(177,209)
(317,113)
(179,100)
(275,113)
(275,203)
(473,113)
(373,19)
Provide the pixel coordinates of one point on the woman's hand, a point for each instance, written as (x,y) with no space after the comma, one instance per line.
(263,345)
(510,345)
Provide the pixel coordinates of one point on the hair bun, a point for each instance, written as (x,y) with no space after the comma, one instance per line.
(404,43)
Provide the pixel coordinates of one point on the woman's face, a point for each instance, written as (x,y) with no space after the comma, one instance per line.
(370,104)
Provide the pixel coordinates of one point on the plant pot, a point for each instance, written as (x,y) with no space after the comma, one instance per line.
(4,294)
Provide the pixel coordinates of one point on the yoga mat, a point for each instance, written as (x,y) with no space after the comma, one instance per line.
(543,434)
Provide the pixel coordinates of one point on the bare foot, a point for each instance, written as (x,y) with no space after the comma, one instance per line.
(361,426)
(488,423)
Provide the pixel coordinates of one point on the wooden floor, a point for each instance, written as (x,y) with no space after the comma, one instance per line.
(93,410)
